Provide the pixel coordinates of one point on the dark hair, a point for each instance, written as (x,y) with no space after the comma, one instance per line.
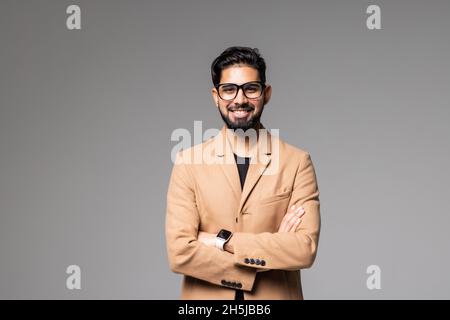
(238,55)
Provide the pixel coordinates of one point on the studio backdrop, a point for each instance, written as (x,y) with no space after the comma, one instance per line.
(91,92)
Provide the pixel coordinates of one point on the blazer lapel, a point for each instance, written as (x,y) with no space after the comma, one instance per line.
(258,164)
(225,159)
(257,167)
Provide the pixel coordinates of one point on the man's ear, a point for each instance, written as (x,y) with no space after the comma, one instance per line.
(267,93)
(215,96)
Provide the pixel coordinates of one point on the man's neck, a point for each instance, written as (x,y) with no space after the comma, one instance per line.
(244,144)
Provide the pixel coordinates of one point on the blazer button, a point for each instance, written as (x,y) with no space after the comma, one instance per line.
(263,262)
(239,285)
(223,282)
(234,284)
(252,261)
(246,260)
(258,262)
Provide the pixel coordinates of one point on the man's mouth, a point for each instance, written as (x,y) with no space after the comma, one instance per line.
(240,113)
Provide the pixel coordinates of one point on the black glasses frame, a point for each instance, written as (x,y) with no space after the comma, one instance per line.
(263,85)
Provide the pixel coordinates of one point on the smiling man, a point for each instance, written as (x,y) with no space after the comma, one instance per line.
(243,226)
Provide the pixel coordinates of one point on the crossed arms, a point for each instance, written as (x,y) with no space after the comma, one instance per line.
(192,253)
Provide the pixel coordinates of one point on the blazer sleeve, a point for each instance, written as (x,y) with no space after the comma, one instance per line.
(287,250)
(186,254)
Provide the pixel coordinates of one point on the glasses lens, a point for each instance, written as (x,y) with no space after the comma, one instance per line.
(253,90)
(227,91)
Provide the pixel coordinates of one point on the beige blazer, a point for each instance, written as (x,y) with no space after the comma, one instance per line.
(206,196)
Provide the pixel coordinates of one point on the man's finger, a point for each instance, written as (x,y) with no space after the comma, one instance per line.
(293,222)
(293,219)
(285,223)
(287,217)
(295,226)
(290,220)
(301,212)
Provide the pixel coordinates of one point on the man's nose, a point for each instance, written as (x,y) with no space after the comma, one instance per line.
(240,97)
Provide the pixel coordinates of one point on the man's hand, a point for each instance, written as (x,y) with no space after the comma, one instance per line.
(291,219)
(207,238)
(210,240)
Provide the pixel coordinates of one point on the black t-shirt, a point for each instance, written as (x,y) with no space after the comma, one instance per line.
(242,165)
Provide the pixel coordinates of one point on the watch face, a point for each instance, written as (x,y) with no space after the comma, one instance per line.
(224,234)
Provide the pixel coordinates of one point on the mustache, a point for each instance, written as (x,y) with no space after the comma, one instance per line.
(241,108)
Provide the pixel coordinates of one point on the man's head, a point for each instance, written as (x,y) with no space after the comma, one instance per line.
(240,90)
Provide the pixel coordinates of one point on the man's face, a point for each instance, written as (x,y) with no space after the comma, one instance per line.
(241,112)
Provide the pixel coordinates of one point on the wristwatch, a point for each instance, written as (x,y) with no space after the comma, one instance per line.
(222,237)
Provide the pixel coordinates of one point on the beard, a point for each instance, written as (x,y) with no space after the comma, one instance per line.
(241,123)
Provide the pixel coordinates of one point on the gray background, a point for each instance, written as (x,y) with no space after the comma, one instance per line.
(86,118)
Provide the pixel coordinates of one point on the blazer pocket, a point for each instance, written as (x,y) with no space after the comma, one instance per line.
(270,212)
(275,198)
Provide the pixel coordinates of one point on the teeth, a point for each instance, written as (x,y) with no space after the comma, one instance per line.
(240,113)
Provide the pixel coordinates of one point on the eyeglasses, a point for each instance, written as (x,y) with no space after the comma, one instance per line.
(229,91)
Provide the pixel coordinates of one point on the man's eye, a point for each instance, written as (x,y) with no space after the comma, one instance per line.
(228,89)
(252,88)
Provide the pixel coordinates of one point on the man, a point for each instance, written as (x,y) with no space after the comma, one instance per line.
(233,224)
